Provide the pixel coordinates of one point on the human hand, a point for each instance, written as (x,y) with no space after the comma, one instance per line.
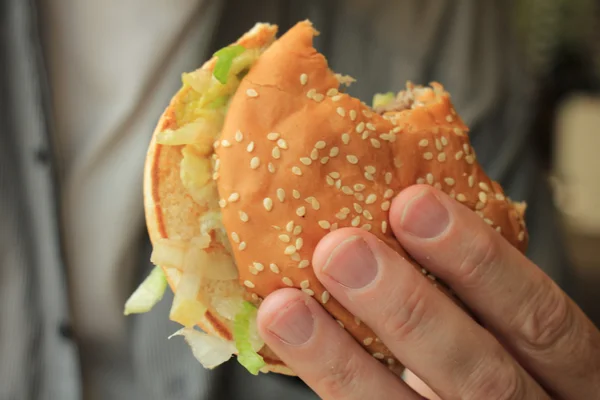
(533,341)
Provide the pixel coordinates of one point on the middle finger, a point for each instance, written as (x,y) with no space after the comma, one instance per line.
(428,333)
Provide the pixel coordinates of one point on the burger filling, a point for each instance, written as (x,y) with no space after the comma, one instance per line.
(203,269)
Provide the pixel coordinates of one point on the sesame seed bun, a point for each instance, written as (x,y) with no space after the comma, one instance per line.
(299,159)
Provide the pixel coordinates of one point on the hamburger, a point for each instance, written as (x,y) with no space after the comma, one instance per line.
(261,154)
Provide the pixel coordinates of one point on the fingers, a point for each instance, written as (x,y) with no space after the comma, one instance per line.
(542,326)
(428,333)
(321,353)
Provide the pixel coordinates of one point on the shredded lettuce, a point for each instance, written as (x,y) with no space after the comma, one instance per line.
(225,58)
(242,326)
(150,292)
(210,351)
(382,99)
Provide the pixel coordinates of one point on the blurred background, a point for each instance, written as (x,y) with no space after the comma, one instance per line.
(82,84)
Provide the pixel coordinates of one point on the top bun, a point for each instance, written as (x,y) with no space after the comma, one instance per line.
(298,159)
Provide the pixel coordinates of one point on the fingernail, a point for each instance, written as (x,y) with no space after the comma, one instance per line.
(424,216)
(294,324)
(352,263)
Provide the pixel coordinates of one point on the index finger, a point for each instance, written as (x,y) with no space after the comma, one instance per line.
(511,295)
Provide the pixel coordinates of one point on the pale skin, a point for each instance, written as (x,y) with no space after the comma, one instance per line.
(533,341)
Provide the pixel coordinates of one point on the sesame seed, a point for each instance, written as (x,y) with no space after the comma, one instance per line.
(329,180)
(258,266)
(235,237)
(250,147)
(315,203)
(320,145)
(336,98)
(352,115)
(239,136)
(242,246)
(369,176)
(282,143)
(324,160)
(500,197)
(366,113)
(273,136)
(346,138)
(384,226)
(341,216)
(318,97)
(371,199)
(314,154)
(438,144)
(233,197)
(332,92)
(305,284)
(471,180)
(271,168)
(356,221)
(375,143)
(466,148)
(385,205)
(325,297)
(222,203)
(281,194)
(488,221)
(296,194)
(388,178)
(479,205)
(357,207)
(483,197)
(356,320)
(420,181)
(334,151)
(268,204)
(449,118)
(429,178)
(274,268)
(340,323)
(311,93)
(352,159)
(249,284)
(276,153)
(444,141)
(441,157)
(368,341)
(423,142)
(334,175)
(309,292)
(378,356)
(347,190)
(341,111)
(291,249)
(388,194)
(254,162)
(299,243)
(461,197)
(252,270)
(301,211)
(458,155)
(449,181)
(345,210)
(216,144)
(367,214)
(305,160)
(360,127)
(297,230)
(365,135)
(251,93)
(287,281)
(243,216)
(359,187)
(367,227)
(484,186)
(296,171)
(225,143)
(303,79)
(303,264)
(295,257)
(499,229)
(428,156)
(289,226)
(284,238)
(370,126)
(437,185)
(370,169)
(469,159)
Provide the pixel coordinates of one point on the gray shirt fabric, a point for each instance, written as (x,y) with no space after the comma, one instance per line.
(72,235)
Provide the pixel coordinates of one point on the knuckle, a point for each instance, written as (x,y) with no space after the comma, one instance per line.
(340,376)
(481,253)
(546,320)
(404,315)
(493,381)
